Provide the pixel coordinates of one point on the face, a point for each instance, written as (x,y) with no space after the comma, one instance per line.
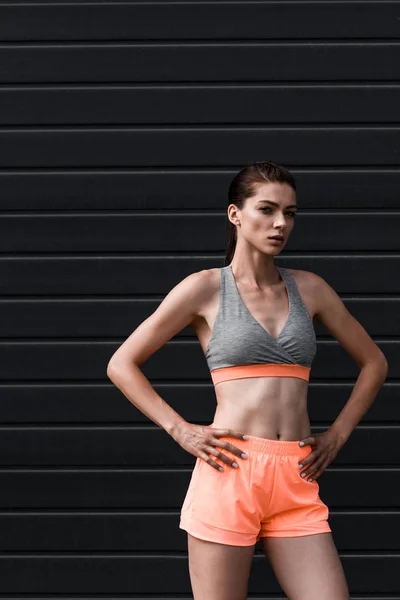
(271,211)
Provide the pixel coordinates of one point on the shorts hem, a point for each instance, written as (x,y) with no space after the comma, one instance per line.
(221,536)
(294,532)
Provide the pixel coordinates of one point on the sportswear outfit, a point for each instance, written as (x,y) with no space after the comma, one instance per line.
(265,495)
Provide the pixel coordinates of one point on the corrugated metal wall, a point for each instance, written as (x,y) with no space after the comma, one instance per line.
(122,125)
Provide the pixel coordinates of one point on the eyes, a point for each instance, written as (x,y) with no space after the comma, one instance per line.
(290,212)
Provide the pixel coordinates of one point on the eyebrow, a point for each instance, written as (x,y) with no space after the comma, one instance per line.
(276,204)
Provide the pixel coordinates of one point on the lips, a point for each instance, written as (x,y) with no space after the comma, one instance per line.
(276,237)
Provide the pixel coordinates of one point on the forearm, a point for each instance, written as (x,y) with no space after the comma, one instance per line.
(139,391)
(369,381)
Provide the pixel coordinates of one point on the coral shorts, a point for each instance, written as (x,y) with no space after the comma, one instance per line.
(265,496)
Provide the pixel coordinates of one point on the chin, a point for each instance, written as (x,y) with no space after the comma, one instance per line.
(275,249)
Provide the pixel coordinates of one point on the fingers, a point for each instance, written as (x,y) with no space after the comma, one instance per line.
(215,441)
(210,461)
(229,433)
(231,449)
(308,441)
(313,464)
(225,459)
(228,446)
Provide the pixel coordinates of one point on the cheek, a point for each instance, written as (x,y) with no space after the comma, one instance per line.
(258,222)
(255,225)
(255,231)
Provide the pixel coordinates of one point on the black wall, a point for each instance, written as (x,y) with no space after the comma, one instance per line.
(121,126)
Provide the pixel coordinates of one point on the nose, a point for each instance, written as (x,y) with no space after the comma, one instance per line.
(280,221)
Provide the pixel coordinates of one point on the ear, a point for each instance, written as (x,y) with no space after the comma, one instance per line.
(233,214)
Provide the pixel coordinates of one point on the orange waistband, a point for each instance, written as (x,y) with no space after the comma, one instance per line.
(260,370)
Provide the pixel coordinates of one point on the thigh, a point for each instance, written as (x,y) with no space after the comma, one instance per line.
(307,567)
(218,571)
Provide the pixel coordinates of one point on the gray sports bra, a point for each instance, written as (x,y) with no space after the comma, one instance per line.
(240,347)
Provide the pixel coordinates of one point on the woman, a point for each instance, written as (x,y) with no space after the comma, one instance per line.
(257,464)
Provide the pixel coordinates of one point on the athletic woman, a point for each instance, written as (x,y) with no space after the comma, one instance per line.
(257,465)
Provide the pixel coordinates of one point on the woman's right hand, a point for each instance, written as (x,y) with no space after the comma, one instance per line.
(201,441)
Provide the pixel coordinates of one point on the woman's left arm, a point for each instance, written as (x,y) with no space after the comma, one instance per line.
(351,335)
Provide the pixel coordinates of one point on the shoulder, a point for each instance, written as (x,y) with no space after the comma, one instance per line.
(307,279)
(205,280)
(202,286)
(313,288)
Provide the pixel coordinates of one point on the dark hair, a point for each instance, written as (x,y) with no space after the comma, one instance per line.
(244,185)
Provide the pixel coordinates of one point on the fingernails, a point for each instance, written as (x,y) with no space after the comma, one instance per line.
(302,474)
(235,465)
(300,466)
(220,468)
(245,437)
(243,455)
(301,444)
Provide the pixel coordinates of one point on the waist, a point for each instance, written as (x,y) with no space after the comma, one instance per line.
(260,370)
(268,445)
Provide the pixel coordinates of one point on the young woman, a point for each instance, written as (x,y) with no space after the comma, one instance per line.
(257,464)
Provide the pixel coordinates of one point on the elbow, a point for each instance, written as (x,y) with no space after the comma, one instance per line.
(117,368)
(383,359)
(112,369)
(378,363)
(383,364)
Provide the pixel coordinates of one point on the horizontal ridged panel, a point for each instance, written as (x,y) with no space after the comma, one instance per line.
(198,104)
(199,61)
(211,20)
(198,146)
(105,188)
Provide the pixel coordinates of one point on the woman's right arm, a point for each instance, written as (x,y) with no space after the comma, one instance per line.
(178,309)
(181,305)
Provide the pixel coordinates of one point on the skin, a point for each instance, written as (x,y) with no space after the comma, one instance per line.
(307,567)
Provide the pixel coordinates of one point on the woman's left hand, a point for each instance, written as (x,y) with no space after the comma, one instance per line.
(325,447)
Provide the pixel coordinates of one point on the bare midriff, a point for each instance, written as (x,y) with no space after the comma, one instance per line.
(273,407)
